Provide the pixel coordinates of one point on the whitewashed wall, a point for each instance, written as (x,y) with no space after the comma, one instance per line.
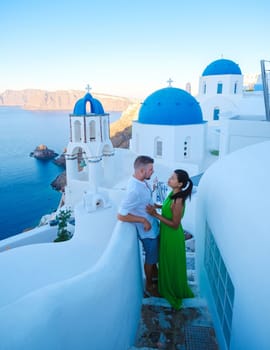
(227,102)
(85,293)
(233,200)
(239,133)
(172,137)
(227,81)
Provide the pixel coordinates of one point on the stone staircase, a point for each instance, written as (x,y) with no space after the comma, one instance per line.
(189,328)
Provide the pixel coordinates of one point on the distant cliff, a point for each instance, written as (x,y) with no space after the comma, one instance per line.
(120,130)
(33,99)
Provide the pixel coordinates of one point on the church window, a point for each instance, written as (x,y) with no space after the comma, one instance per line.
(158,147)
(105,130)
(216,114)
(219,88)
(92,130)
(204,88)
(88,107)
(80,160)
(186,148)
(77,131)
(235,88)
(220,283)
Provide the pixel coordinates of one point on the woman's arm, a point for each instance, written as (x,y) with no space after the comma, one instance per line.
(176,207)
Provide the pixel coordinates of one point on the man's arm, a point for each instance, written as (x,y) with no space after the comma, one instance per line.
(134,218)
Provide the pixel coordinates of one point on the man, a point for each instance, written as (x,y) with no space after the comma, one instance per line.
(133,209)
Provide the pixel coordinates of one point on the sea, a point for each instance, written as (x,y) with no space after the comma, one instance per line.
(25,182)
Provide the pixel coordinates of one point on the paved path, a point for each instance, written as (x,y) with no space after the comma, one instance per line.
(189,328)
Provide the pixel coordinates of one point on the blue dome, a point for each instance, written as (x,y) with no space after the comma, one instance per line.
(222,67)
(170,106)
(80,106)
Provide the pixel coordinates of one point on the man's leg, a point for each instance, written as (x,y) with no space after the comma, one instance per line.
(149,287)
(151,257)
(148,275)
(155,273)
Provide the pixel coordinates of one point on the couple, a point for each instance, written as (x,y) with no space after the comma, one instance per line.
(168,250)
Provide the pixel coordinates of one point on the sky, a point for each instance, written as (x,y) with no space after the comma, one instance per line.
(126,48)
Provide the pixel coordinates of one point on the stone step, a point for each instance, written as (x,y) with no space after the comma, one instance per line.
(162,327)
(190,328)
(189,302)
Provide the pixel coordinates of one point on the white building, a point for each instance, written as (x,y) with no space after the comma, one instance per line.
(170,128)
(220,90)
(89,150)
(222,96)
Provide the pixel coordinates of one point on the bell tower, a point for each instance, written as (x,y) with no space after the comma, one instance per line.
(88,149)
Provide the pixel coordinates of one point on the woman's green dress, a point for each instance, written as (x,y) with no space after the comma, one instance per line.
(172,274)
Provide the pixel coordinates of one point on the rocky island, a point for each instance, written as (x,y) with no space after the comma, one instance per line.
(43,152)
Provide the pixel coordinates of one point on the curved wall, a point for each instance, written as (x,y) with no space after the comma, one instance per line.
(95,306)
(233,206)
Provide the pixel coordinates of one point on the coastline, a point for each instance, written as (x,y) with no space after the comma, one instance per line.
(25,182)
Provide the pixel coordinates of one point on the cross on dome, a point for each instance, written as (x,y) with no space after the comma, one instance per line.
(170,81)
(88,88)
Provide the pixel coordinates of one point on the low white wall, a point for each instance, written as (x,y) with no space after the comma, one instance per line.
(98,308)
(42,234)
(238,133)
(30,267)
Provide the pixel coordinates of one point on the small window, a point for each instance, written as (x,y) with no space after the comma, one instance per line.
(235,88)
(158,147)
(92,130)
(204,88)
(77,131)
(219,88)
(88,107)
(105,129)
(216,114)
(186,148)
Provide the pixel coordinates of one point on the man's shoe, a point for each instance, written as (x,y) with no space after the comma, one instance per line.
(152,292)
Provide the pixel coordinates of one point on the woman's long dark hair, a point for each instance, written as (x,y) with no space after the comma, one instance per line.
(186,190)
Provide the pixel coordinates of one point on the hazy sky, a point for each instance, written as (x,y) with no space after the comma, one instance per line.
(126,48)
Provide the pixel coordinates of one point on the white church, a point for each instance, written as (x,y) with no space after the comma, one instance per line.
(82,288)
(234,114)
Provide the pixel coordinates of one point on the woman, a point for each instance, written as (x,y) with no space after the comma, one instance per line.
(172,274)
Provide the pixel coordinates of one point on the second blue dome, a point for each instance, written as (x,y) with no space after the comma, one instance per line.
(222,67)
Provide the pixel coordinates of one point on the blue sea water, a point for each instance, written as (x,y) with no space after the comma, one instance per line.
(25,182)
